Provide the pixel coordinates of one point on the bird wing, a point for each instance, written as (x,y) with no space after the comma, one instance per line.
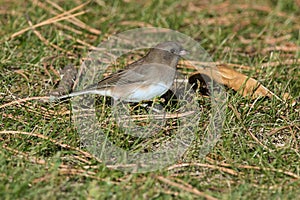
(126,76)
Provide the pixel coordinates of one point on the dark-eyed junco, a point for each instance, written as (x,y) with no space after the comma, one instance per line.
(144,79)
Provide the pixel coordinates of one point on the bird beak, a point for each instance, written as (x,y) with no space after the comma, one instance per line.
(183,52)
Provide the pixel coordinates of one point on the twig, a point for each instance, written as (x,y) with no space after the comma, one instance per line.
(281,48)
(274,131)
(63,169)
(255,168)
(268,169)
(66,146)
(91,47)
(279,63)
(39,35)
(74,20)
(24,100)
(24,155)
(229,171)
(182,187)
(160,116)
(52,20)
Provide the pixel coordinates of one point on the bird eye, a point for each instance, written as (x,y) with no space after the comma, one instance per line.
(173,51)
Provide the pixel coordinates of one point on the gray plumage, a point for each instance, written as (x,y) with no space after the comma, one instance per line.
(144,79)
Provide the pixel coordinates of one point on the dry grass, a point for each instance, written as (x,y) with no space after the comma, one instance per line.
(258,154)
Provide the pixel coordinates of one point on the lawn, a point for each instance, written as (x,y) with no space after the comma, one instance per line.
(257,155)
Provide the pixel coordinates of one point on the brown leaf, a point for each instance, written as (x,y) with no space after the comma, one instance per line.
(68,74)
(244,85)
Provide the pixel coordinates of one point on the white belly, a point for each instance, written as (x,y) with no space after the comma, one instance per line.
(136,94)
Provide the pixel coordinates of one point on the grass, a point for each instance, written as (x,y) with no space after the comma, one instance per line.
(40,156)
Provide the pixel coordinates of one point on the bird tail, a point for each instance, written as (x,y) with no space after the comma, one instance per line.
(102,92)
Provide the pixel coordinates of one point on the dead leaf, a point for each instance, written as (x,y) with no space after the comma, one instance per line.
(244,85)
(68,74)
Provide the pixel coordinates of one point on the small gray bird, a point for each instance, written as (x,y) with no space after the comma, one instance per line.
(143,79)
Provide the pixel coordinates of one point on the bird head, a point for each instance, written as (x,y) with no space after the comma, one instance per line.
(172,47)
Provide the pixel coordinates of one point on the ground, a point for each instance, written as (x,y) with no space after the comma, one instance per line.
(257,155)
